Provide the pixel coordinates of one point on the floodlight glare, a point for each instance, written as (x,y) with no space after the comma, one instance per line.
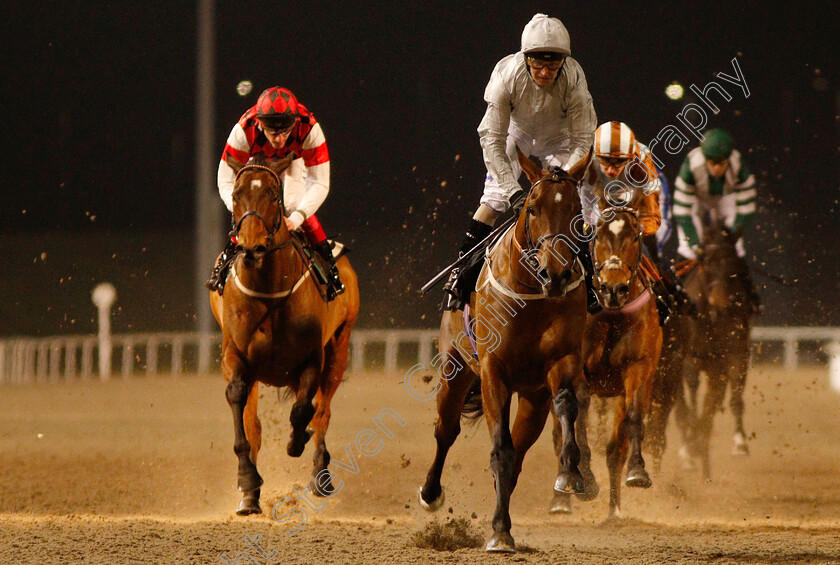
(244,88)
(674,91)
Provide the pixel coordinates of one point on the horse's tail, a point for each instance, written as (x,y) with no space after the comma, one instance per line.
(473,408)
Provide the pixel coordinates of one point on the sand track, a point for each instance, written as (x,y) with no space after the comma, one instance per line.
(143,471)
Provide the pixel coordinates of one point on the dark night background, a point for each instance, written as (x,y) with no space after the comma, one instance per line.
(98,106)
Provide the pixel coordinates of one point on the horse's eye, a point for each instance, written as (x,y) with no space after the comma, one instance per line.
(531,211)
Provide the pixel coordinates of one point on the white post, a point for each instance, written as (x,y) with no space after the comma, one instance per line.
(103,297)
(834,365)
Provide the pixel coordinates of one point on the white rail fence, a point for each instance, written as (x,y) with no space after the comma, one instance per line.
(52,359)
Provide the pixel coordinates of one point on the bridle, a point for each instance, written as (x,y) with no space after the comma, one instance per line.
(261,250)
(616,262)
(557,175)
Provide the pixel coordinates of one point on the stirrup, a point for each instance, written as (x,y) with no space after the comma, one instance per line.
(593,305)
(663,310)
(218,277)
(451,299)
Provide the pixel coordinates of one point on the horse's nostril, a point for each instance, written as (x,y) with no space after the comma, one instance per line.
(260,249)
(543,275)
(622,290)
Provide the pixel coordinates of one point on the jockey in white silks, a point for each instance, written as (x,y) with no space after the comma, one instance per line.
(537,100)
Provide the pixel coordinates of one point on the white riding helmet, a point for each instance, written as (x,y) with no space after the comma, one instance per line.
(545,34)
(615,139)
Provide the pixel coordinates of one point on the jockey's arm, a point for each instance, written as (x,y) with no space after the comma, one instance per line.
(745,196)
(493,130)
(317,161)
(649,213)
(237,148)
(685,196)
(580,114)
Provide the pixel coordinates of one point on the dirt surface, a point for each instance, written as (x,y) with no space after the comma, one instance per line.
(143,471)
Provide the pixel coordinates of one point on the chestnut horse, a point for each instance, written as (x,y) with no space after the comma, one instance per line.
(621,348)
(721,348)
(528,315)
(277,329)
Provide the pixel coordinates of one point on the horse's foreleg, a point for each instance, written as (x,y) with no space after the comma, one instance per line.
(616,456)
(638,381)
(450,399)
(712,403)
(237,393)
(565,405)
(528,425)
(335,362)
(502,459)
(562,501)
(303,410)
(738,381)
(667,384)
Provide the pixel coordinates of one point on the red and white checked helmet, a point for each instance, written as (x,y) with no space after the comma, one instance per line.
(277,107)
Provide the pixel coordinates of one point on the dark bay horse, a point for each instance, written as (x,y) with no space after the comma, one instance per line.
(528,315)
(277,330)
(621,348)
(721,341)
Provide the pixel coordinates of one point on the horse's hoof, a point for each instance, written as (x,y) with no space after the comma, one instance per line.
(591,487)
(298,442)
(250,504)
(740,446)
(433,505)
(321,491)
(638,478)
(562,504)
(687,461)
(250,482)
(570,483)
(501,542)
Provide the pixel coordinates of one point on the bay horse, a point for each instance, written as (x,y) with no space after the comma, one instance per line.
(528,314)
(621,348)
(277,329)
(722,340)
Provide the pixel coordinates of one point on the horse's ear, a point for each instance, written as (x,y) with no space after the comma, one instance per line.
(280,165)
(234,164)
(579,169)
(532,171)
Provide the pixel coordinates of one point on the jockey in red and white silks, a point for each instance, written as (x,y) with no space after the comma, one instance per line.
(275,127)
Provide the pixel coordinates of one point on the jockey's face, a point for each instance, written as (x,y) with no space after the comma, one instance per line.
(544,73)
(275,137)
(717,167)
(613,166)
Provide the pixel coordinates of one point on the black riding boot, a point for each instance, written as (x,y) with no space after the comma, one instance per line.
(752,293)
(220,269)
(461,282)
(593,305)
(666,294)
(331,278)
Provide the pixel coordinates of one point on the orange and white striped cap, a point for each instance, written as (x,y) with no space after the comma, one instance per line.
(615,139)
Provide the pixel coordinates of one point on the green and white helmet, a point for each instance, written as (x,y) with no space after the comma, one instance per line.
(546,38)
(717,144)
